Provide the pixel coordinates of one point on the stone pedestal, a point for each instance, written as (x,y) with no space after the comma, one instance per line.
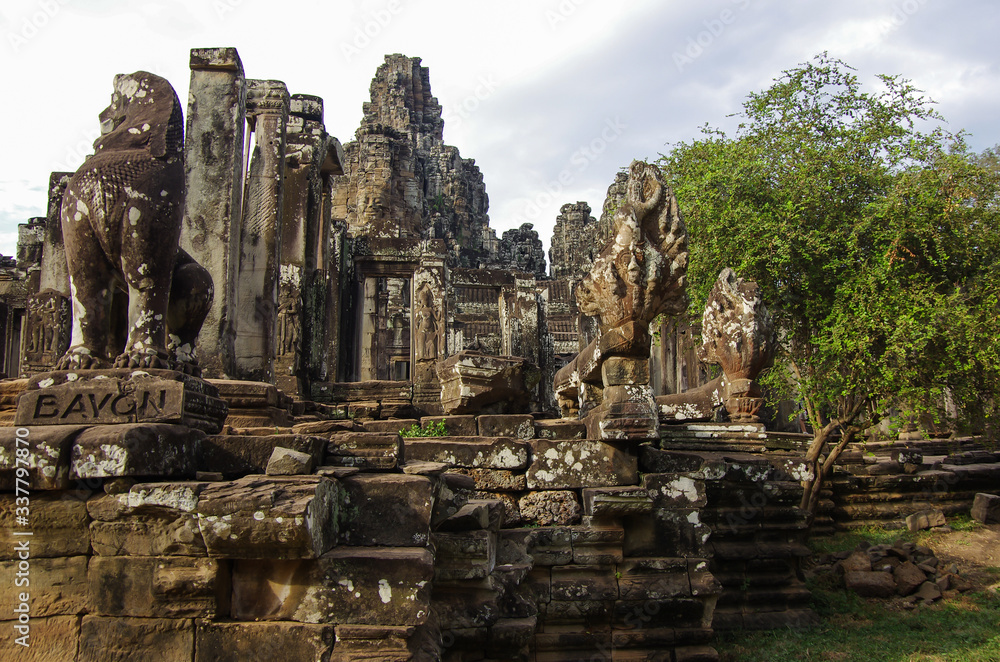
(119,396)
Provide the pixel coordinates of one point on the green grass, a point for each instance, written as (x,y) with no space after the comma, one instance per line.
(962,629)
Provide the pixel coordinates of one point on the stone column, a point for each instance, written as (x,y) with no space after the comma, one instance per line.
(429,327)
(213,168)
(260,248)
(55,271)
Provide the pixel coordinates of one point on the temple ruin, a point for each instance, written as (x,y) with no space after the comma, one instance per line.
(397,436)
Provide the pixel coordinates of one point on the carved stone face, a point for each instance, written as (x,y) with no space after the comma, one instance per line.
(144,114)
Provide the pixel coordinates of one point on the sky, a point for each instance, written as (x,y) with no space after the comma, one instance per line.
(550,97)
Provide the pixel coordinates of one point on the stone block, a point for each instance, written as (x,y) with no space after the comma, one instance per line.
(469,452)
(870,584)
(324,428)
(550,507)
(925,519)
(986,508)
(616,502)
(158,587)
(52,639)
(675,491)
(456,426)
(581,582)
(58,586)
(501,480)
(655,460)
(560,429)
(653,578)
(357,585)
(58,522)
(470,517)
(117,639)
(466,604)
(238,642)
(239,455)
(386,510)
(44,451)
(152,519)
(386,642)
(365,450)
(286,462)
(273,517)
(246,394)
(140,449)
(118,396)
(560,464)
(464,555)
(621,371)
(597,545)
(518,426)
(472,381)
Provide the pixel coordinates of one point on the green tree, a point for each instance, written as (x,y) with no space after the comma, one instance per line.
(873,235)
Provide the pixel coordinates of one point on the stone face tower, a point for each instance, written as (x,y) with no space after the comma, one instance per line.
(402,181)
(573,241)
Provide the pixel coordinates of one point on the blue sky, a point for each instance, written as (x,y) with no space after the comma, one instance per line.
(551,97)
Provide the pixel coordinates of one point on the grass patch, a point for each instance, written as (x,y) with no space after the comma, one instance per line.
(962,629)
(858,630)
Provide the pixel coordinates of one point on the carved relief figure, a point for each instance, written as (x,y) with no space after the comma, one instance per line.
(47,328)
(425,326)
(121,219)
(289,324)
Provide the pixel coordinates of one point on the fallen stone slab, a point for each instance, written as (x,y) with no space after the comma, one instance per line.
(273,517)
(518,426)
(560,429)
(365,450)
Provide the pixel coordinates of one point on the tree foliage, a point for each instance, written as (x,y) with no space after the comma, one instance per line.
(873,235)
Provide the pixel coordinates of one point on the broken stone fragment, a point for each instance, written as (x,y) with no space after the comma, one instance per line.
(870,584)
(287,462)
(925,519)
(908,578)
(986,508)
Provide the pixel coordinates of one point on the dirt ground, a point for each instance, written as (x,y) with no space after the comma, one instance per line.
(973,551)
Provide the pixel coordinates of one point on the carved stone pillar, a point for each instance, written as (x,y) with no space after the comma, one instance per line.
(213,174)
(429,325)
(260,248)
(55,270)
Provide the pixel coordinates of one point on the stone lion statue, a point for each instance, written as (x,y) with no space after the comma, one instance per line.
(121,221)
